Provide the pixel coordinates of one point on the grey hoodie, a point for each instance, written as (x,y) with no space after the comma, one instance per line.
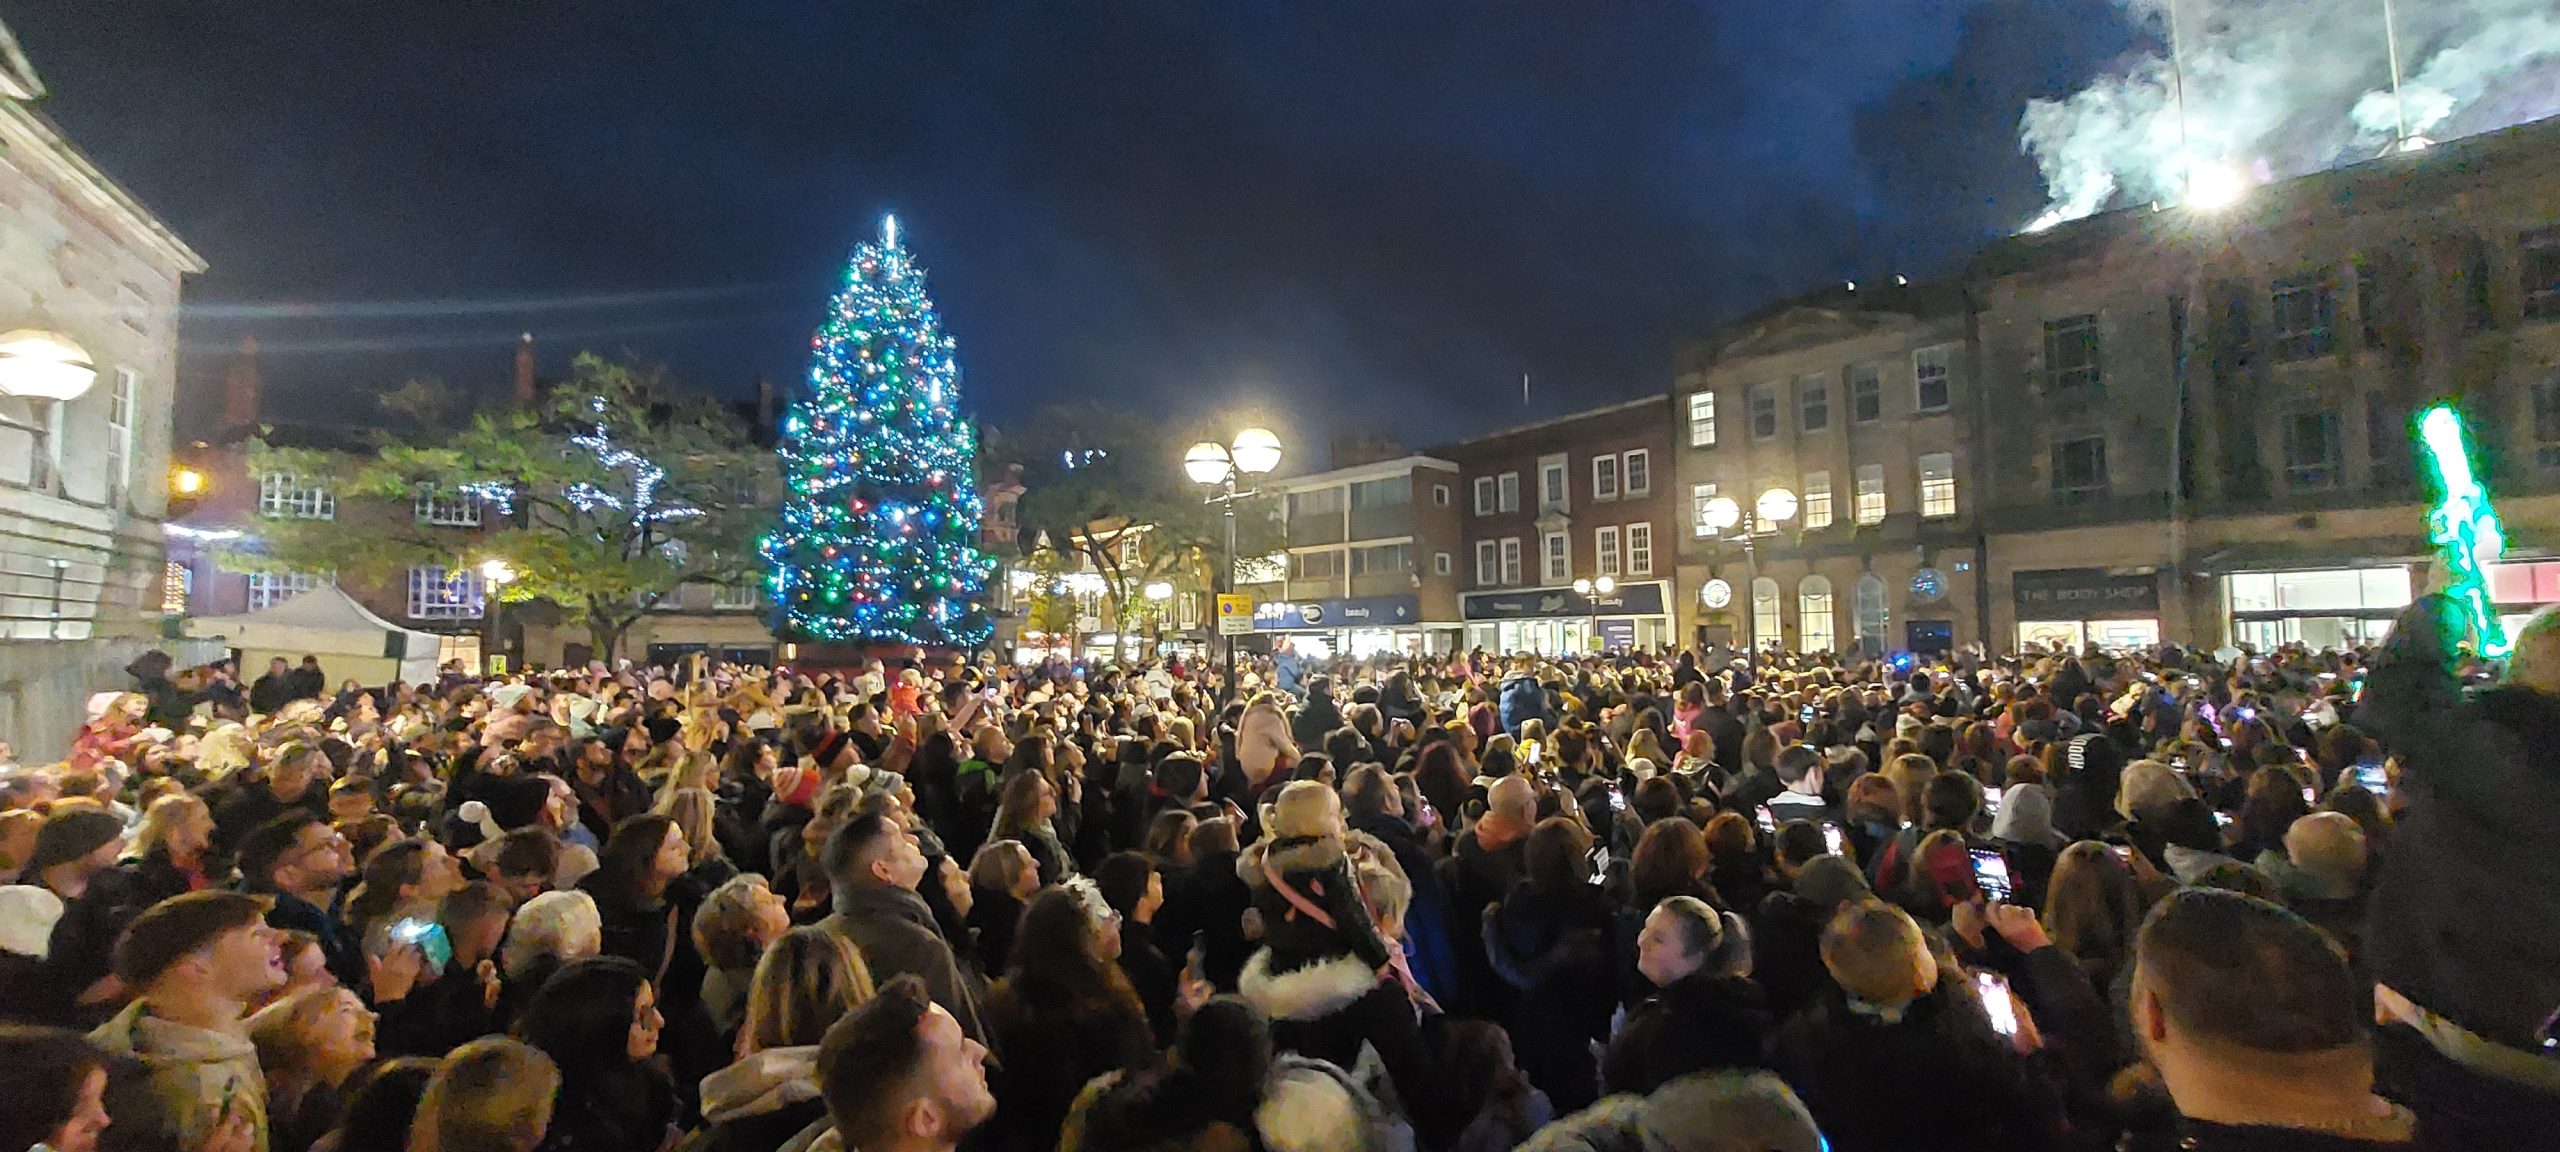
(170,1083)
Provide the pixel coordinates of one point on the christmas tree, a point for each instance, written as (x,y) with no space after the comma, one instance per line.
(878,536)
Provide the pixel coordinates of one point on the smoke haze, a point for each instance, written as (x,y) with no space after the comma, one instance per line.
(2277,88)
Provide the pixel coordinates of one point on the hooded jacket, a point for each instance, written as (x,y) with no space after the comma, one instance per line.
(1523,699)
(1263,748)
(758,1104)
(169,1084)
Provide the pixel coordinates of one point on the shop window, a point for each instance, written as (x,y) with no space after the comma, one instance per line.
(1813,404)
(2306,312)
(1937,484)
(1933,374)
(2080,470)
(1870,507)
(1764,411)
(1815,626)
(1866,394)
(2311,450)
(1815,506)
(2071,353)
(1765,625)
(1702,419)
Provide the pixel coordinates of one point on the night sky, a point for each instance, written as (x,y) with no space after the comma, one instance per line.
(1368,216)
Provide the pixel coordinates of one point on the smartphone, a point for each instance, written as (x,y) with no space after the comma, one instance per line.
(2310,797)
(1991,803)
(430,938)
(1804,715)
(1996,1003)
(1533,753)
(1617,800)
(1991,874)
(2370,774)
(2124,852)
(2222,818)
(1768,822)
(1833,842)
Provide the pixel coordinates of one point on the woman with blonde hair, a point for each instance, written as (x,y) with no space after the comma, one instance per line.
(308,1044)
(1002,879)
(171,848)
(697,813)
(491,1095)
(809,979)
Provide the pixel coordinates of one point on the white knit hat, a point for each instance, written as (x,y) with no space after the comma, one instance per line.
(27,916)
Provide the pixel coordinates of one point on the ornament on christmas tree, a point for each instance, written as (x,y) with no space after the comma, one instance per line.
(869,498)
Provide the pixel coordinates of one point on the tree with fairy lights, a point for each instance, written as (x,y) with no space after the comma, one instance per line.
(877,541)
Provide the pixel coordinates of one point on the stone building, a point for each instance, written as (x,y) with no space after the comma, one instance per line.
(1373,557)
(95,276)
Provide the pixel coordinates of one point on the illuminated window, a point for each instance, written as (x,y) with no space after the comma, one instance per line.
(1702,419)
(1701,495)
(436,593)
(1870,506)
(1765,624)
(177,581)
(1556,551)
(1816,504)
(268,589)
(283,495)
(120,434)
(1816,630)
(1937,484)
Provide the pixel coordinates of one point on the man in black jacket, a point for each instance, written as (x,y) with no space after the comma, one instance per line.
(273,690)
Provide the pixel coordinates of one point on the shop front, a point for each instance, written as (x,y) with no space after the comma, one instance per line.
(1560,621)
(1358,627)
(2111,608)
(2318,607)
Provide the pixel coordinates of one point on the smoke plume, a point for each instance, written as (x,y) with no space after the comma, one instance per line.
(2276,88)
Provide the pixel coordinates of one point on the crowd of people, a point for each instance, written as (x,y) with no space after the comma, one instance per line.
(1681,902)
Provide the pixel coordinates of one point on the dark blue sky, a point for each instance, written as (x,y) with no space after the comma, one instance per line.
(1366,215)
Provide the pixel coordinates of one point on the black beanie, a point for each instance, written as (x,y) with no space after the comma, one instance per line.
(68,836)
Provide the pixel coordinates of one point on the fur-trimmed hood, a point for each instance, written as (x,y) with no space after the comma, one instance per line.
(1295,854)
(1312,1106)
(768,1081)
(1309,993)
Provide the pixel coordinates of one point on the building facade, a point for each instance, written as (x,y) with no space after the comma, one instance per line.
(1855,408)
(83,457)
(1581,497)
(1371,560)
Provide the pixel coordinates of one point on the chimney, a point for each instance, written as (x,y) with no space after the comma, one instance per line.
(524,372)
(764,403)
(240,389)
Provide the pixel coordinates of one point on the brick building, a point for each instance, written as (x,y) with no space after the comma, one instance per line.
(1373,559)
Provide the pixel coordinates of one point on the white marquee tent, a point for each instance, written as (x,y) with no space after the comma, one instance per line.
(349,639)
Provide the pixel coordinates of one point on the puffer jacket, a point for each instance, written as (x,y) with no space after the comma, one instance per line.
(758,1104)
(1523,699)
(169,1084)
(1263,747)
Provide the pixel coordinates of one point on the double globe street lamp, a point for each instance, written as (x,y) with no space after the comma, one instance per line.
(496,574)
(1592,592)
(1254,452)
(1774,507)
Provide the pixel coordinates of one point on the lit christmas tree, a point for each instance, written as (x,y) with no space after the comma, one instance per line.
(878,536)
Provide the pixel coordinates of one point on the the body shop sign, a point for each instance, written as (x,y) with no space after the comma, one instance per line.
(2087,594)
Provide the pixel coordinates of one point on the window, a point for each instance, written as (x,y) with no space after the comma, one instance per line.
(2071,352)
(1816,628)
(1321,565)
(1766,627)
(2478,310)
(120,394)
(1392,492)
(1554,483)
(1937,484)
(2369,302)
(177,582)
(1816,505)
(268,589)
(1439,563)
(1382,559)
(1440,495)
(46,475)
(744,596)
(1813,404)
(1484,495)
(1870,506)
(1488,564)
(2305,313)
(1637,472)
(458,510)
(435,594)
(284,495)
(1511,560)
(1866,394)
(1604,478)
(1556,551)
(2539,264)
(1604,542)
(2311,449)
(1639,549)
(1510,489)
(1701,495)
(1702,419)
(1314,504)
(2080,470)
(1933,374)
(1764,411)
(1869,608)
(2386,437)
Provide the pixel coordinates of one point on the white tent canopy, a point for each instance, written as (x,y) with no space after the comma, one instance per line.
(325,622)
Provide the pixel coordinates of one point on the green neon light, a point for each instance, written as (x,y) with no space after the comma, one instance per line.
(2463,526)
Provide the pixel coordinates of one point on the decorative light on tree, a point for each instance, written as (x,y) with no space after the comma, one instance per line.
(877,540)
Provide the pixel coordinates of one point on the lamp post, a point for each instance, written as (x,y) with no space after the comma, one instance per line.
(1254,451)
(1774,507)
(1591,590)
(497,574)
(1157,592)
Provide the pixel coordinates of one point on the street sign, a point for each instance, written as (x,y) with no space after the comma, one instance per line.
(1235,615)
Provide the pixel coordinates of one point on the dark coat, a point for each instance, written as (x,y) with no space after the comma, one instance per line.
(1154,975)
(1705,1021)
(1054,1037)
(1552,948)
(1937,1080)
(993,915)
(1316,719)
(1208,902)
(2482,777)
(895,933)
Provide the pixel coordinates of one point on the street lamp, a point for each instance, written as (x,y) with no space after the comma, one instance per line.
(1253,452)
(1157,592)
(1774,507)
(1591,590)
(185,481)
(497,574)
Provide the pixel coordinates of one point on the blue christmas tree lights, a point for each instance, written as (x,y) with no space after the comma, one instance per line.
(877,539)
